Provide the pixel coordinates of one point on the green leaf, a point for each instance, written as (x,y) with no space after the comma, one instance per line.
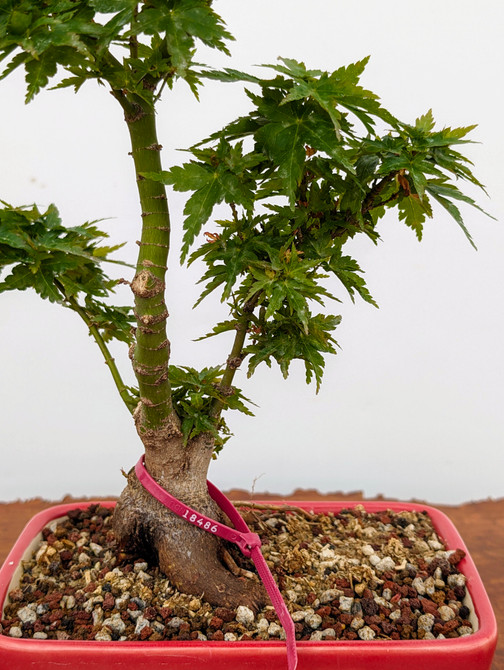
(346,270)
(449,136)
(215,277)
(229,75)
(419,182)
(19,59)
(19,21)
(20,278)
(222,327)
(38,73)
(454,211)
(43,283)
(112,6)
(198,210)
(284,145)
(189,177)
(451,191)
(298,306)
(413,211)
(425,123)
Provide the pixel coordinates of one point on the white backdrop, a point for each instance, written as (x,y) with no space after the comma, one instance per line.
(412,405)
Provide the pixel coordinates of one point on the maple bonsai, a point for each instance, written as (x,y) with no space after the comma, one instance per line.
(317,161)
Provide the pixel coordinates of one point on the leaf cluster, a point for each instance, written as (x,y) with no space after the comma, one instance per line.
(61,264)
(316,161)
(195,394)
(159,38)
(425,164)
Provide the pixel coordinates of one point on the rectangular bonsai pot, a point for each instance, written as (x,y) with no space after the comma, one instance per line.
(472,652)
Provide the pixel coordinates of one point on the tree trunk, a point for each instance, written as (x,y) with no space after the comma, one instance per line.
(189,556)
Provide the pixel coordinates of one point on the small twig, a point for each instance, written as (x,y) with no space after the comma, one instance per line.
(230,563)
(234,568)
(274,506)
(256,479)
(235,213)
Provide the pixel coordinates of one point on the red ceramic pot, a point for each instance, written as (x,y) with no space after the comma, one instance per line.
(473,652)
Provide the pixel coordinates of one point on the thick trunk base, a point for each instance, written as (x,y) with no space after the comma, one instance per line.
(191,558)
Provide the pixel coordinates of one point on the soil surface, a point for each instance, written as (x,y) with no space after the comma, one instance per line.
(480,524)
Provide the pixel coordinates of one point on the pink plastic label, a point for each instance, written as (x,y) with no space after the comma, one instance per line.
(249,543)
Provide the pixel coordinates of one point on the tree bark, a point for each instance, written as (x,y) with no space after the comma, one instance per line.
(189,556)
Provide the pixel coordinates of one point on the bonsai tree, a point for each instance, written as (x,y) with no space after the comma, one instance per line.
(316,161)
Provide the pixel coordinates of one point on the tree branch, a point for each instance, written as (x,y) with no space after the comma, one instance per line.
(109,360)
(369,202)
(235,357)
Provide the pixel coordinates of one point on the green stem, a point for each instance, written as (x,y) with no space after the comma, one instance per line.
(235,358)
(128,400)
(152,351)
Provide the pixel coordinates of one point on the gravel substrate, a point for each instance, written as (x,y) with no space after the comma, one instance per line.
(352,575)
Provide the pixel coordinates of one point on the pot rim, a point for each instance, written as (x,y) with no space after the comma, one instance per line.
(485,635)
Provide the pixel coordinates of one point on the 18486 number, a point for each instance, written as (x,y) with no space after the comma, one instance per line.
(199,521)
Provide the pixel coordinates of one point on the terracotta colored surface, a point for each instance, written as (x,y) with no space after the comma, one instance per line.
(480,524)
